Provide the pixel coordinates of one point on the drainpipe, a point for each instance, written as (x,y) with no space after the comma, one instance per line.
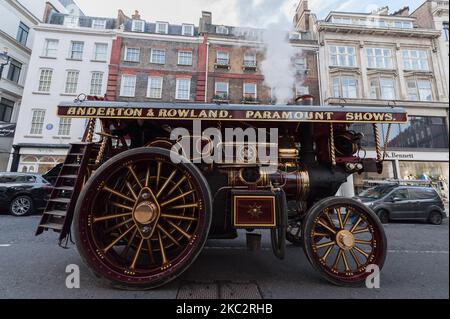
(319,77)
(207,72)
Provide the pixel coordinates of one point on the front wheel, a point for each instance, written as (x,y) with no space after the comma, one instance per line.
(142,220)
(342,239)
(435,218)
(21,206)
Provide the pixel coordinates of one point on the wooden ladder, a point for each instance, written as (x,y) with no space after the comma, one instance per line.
(58,214)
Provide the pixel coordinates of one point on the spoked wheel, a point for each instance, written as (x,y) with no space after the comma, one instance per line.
(343,237)
(142,220)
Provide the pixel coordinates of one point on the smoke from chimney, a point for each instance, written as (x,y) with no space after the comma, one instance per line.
(277,67)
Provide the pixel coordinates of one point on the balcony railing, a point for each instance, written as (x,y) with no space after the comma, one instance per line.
(249,65)
(222,63)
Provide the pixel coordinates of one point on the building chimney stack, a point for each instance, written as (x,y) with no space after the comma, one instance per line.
(136,15)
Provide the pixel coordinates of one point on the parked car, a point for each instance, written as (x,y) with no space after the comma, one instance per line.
(395,202)
(23,194)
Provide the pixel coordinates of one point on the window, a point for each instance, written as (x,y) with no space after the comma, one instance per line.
(223,58)
(403,24)
(158,56)
(415,60)
(64,126)
(132,54)
(345,87)
(137,26)
(382,88)
(76,50)
(22,34)
(45,80)
(100,52)
(342,20)
(250,59)
(445,30)
(301,90)
(300,64)
(72,82)
(401,194)
(188,29)
(154,89)
(128,85)
(183,90)
(15,67)
(99,24)
(250,91)
(419,90)
(221,90)
(6,110)
(185,57)
(420,132)
(71,21)
(50,48)
(379,58)
(37,122)
(222,29)
(96,84)
(343,56)
(162,27)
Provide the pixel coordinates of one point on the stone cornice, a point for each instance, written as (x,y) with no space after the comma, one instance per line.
(394,32)
(384,103)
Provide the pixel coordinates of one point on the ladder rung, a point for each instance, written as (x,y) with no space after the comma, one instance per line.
(52,226)
(59,213)
(71,165)
(75,154)
(69,176)
(64,188)
(60,200)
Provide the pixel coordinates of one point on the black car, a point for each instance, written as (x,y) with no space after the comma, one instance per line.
(395,202)
(23,194)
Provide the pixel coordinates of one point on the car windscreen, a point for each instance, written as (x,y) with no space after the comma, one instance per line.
(376,192)
(16,179)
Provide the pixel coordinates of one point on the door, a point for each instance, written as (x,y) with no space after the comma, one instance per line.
(422,200)
(399,204)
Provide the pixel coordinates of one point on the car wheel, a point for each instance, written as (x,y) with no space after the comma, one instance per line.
(435,218)
(21,206)
(384,216)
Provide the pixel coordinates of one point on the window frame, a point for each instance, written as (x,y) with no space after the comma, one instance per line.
(64,127)
(14,71)
(123,87)
(183,29)
(221,29)
(340,79)
(150,88)
(417,90)
(126,56)
(135,22)
(245,93)
(166,27)
(216,92)
(71,87)
(46,48)
(177,89)
(98,26)
(346,55)
(156,62)
(96,53)
(380,93)
(37,127)
(73,54)
(387,61)
(226,61)
(73,23)
(23,33)
(97,83)
(410,60)
(6,109)
(48,82)
(180,52)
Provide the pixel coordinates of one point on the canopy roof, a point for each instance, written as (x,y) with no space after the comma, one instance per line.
(231,112)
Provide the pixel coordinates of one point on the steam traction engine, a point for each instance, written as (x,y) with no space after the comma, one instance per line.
(142,212)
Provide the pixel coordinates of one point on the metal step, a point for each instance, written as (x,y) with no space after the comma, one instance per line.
(52,226)
(59,213)
(60,200)
(69,176)
(64,188)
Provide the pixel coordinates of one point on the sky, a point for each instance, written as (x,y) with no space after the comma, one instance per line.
(256,13)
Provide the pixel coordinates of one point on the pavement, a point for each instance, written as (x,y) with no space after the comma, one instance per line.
(417,266)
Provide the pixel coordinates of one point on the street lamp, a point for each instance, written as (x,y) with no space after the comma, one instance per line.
(4,60)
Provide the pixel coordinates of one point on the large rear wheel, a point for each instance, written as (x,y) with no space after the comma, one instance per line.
(342,238)
(141,219)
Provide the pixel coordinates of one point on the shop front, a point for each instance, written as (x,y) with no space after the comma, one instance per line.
(40,160)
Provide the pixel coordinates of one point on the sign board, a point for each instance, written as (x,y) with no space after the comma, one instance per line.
(7,129)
